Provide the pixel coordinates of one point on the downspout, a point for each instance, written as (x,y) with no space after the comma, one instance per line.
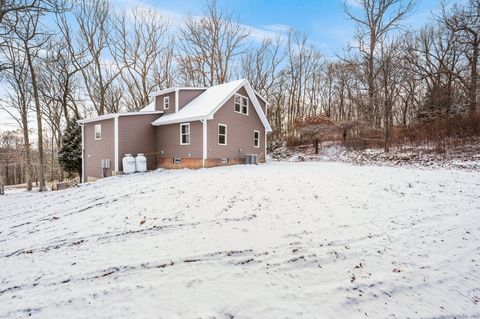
(265,142)
(115,129)
(204,122)
(176,100)
(83,153)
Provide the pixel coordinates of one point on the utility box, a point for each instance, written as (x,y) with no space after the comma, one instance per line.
(105,163)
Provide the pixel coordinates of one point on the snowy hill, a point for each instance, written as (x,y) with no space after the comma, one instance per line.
(269,241)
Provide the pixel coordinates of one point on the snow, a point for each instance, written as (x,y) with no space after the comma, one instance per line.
(149,107)
(277,240)
(465,155)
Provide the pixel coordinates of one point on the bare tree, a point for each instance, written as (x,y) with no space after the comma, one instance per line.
(208,46)
(89,54)
(12,11)
(261,65)
(464,22)
(141,46)
(19,100)
(390,75)
(374,21)
(31,39)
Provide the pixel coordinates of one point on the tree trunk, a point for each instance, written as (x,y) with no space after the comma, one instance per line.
(41,170)
(473,81)
(28,160)
(2,182)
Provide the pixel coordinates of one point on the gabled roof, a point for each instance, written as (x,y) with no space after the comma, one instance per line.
(173,89)
(206,104)
(150,107)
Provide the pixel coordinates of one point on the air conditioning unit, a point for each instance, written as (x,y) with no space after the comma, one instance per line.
(105,163)
(251,159)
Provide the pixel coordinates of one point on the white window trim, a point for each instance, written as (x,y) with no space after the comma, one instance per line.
(95,132)
(256,139)
(226,134)
(189,134)
(241,103)
(166,100)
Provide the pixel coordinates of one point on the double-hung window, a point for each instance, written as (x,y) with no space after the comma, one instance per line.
(256,138)
(166,102)
(241,104)
(222,134)
(185,134)
(98,132)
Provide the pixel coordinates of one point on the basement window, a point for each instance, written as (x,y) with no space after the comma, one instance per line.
(256,138)
(241,104)
(98,132)
(185,134)
(166,102)
(222,134)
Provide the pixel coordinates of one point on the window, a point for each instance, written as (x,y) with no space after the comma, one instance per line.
(98,132)
(185,134)
(256,138)
(222,134)
(241,104)
(166,102)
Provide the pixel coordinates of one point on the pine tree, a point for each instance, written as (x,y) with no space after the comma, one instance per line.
(70,154)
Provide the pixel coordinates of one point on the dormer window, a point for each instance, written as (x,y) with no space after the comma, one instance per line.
(241,104)
(166,102)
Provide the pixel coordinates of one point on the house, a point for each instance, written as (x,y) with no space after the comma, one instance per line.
(183,127)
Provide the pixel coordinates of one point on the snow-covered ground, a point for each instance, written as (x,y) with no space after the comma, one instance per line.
(279,240)
(456,154)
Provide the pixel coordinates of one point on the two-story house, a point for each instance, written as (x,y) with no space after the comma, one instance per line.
(182,127)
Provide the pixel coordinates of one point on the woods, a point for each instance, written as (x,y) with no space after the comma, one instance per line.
(61,61)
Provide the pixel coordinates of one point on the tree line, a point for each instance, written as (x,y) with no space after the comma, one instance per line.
(64,60)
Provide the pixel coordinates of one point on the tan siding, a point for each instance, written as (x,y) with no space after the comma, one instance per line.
(168,141)
(159,102)
(186,96)
(95,151)
(240,130)
(137,135)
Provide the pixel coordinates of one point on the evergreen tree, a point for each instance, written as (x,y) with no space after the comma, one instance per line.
(70,154)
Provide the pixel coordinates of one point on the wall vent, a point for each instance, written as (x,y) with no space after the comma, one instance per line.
(177,160)
(251,159)
(224,160)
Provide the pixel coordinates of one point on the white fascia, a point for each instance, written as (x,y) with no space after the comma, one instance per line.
(205,145)
(115,129)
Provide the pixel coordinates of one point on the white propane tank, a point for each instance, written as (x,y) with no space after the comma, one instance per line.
(140,163)
(128,164)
